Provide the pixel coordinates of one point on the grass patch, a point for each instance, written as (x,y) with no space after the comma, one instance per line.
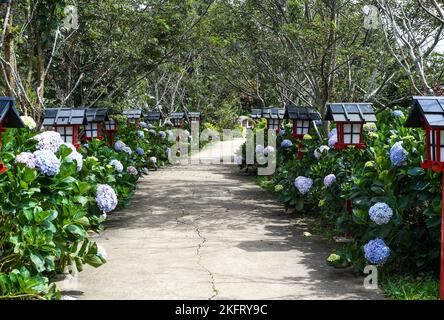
(402,287)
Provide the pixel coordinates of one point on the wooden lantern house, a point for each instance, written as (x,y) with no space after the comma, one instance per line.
(133,115)
(9,118)
(154,117)
(95,127)
(66,122)
(274,116)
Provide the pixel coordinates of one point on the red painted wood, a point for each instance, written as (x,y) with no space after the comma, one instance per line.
(300,155)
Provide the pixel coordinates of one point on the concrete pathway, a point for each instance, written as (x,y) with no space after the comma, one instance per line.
(209,232)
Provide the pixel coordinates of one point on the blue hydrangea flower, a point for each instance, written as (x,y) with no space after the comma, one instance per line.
(47,162)
(170,135)
(376,251)
(332,141)
(282,132)
(140,134)
(106,198)
(329,180)
(146,170)
(168,152)
(397,113)
(303,184)
(142,124)
(49,140)
(149,126)
(140,151)
(398,154)
(162,134)
(117,165)
(380,213)
(316,154)
(119,145)
(127,150)
(332,133)
(27,159)
(286,144)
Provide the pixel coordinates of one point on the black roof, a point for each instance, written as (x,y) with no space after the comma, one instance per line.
(64,117)
(154,116)
(302,113)
(427,110)
(133,113)
(273,113)
(10,112)
(256,113)
(350,112)
(177,115)
(194,114)
(97,115)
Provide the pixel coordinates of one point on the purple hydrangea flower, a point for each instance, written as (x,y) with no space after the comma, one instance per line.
(140,151)
(397,113)
(142,124)
(380,213)
(329,180)
(127,150)
(132,170)
(282,132)
(332,133)
(303,184)
(316,154)
(140,134)
(398,154)
(332,141)
(106,198)
(49,140)
(117,165)
(47,162)
(146,170)
(119,145)
(27,159)
(162,134)
(376,251)
(170,135)
(286,144)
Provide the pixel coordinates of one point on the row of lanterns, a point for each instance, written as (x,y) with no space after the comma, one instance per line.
(427,112)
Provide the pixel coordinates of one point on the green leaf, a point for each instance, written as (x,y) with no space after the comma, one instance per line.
(75,230)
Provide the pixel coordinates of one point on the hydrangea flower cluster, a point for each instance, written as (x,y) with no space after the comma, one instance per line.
(168,152)
(140,134)
(370,127)
(49,140)
(329,180)
(132,170)
(398,154)
(318,152)
(75,156)
(307,137)
(140,151)
(119,145)
(29,122)
(162,134)
(397,113)
(303,184)
(380,213)
(332,140)
(376,251)
(332,133)
(369,164)
(142,124)
(46,162)
(153,160)
(117,165)
(152,131)
(286,144)
(278,188)
(282,132)
(170,135)
(27,159)
(149,126)
(127,150)
(106,198)
(146,170)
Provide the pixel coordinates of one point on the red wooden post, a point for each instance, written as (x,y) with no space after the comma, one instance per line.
(3,168)
(441,284)
(300,155)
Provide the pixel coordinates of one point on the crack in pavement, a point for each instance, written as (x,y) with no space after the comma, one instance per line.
(214,289)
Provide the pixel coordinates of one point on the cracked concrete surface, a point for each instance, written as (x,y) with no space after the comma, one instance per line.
(209,232)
